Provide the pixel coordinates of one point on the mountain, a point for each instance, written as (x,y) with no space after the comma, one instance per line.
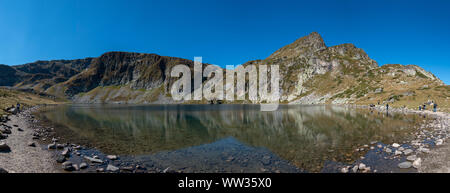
(311,73)
(40,75)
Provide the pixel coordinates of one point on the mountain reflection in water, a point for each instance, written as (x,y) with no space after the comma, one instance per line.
(306,136)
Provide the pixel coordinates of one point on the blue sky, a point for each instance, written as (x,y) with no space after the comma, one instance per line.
(224,32)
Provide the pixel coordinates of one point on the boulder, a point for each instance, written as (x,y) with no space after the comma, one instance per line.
(405,165)
(93,160)
(4,147)
(68,166)
(112,168)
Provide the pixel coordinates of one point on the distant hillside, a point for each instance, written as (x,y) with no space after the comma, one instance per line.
(311,73)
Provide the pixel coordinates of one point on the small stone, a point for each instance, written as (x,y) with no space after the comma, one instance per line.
(362,166)
(411,158)
(112,168)
(111,157)
(439,142)
(397,152)
(355,169)
(32,144)
(84,165)
(388,150)
(407,151)
(344,170)
(416,164)
(380,146)
(100,169)
(19,129)
(395,145)
(401,148)
(405,165)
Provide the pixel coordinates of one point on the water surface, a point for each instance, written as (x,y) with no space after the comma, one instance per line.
(307,137)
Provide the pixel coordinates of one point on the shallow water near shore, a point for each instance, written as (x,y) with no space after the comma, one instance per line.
(234,138)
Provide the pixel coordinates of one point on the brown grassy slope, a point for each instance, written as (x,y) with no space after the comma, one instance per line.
(10,98)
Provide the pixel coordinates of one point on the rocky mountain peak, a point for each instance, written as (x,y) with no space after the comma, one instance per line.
(302,47)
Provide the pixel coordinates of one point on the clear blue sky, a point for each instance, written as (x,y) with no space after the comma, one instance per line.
(224,31)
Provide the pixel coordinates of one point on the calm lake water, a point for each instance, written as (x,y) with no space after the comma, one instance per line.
(215,137)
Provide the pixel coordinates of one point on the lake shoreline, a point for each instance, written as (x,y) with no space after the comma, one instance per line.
(43,136)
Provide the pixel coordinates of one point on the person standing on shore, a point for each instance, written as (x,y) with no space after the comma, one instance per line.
(387,107)
(18,107)
(434,107)
(424,106)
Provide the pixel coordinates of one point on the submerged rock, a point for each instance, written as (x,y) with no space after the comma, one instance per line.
(405,165)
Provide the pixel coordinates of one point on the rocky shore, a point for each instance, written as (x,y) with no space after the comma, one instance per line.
(427,152)
(26,146)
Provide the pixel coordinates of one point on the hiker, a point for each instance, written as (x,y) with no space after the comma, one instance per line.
(420,107)
(424,106)
(387,107)
(434,107)
(18,107)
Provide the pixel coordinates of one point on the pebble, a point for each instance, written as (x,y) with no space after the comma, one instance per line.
(397,152)
(32,144)
(355,169)
(395,145)
(362,166)
(344,170)
(388,150)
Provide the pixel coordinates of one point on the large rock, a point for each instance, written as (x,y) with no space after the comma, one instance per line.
(4,147)
(93,160)
(405,165)
(112,168)
(3,171)
(68,166)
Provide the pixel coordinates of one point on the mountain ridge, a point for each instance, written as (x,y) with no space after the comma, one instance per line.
(311,73)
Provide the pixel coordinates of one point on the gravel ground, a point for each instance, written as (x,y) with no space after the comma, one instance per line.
(24,158)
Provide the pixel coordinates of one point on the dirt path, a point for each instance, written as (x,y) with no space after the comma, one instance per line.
(23,158)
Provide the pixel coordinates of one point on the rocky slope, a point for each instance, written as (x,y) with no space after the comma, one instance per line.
(311,73)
